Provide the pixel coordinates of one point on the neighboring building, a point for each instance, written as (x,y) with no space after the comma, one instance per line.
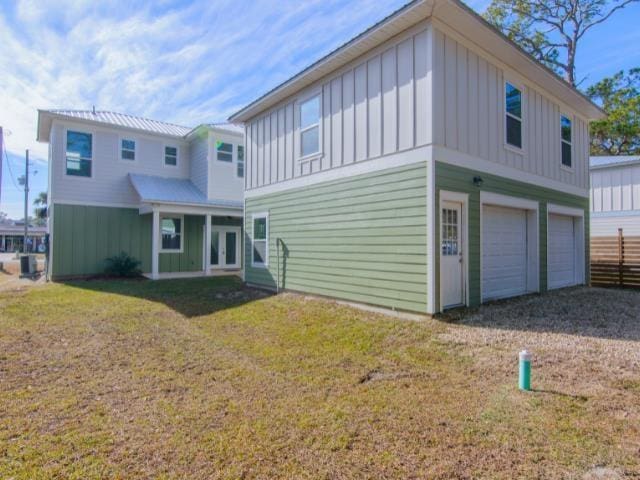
(615,196)
(168,195)
(12,237)
(427,163)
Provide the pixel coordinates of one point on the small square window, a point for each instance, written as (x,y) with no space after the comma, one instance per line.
(171,156)
(225,151)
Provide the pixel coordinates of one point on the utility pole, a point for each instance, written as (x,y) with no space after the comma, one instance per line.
(26,202)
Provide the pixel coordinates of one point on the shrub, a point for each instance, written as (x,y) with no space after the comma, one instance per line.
(123,265)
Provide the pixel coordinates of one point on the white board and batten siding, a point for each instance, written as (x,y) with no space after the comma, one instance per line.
(376,106)
(615,200)
(468,96)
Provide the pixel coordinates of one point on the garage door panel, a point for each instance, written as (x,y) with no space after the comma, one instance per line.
(504,252)
(561,251)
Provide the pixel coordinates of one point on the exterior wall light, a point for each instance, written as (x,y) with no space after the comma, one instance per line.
(477,181)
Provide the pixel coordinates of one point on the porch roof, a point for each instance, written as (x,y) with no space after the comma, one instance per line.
(175,191)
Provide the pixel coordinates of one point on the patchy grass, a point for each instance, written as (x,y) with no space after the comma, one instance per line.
(203,379)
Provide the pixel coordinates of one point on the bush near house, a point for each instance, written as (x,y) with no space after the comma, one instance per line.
(123,265)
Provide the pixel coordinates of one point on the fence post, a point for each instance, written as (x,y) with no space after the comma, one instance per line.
(620,258)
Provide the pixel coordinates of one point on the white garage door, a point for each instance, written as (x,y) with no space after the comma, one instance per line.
(504,252)
(561,251)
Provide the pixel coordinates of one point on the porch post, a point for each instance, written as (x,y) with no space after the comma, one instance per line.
(207,244)
(155,245)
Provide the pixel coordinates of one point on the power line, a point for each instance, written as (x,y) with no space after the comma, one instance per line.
(13,180)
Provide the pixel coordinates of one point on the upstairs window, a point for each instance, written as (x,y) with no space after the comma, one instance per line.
(240,170)
(171,234)
(224,152)
(310,127)
(79,154)
(513,112)
(565,140)
(260,252)
(171,156)
(128,149)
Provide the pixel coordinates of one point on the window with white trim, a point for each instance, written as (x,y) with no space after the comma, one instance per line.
(240,168)
(224,151)
(513,113)
(128,149)
(79,154)
(171,156)
(260,241)
(171,233)
(565,140)
(310,127)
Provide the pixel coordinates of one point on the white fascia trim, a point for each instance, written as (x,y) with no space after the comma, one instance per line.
(59,201)
(190,209)
(490,198)
(459,159)
(562,210)
(399,159)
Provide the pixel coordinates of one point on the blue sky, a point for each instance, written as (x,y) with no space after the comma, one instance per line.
(190,62)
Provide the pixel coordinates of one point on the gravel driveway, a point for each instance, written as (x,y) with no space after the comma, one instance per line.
(581,337)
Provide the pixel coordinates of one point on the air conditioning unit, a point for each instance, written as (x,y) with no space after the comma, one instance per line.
(28,266)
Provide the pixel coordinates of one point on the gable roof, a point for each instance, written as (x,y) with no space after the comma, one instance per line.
(124,120)
(451,12)
(152,189)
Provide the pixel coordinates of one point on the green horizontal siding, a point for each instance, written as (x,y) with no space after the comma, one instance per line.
(84,236)
(457,179)
(361,239)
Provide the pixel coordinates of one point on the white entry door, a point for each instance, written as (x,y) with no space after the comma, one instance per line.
(225,247)
(561,251)
(451,255)
(504,252)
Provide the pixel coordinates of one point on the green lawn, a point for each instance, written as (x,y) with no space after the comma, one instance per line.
(202,379)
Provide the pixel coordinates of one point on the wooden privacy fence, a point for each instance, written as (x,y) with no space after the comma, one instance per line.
(615,261)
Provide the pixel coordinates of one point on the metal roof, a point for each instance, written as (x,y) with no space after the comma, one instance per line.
(613,161)
(125,120)
(182,191)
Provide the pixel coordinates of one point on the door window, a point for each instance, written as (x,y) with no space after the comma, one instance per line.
(450,237)
(215,247)
(230,248)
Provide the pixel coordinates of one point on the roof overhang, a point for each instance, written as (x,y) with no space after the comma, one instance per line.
(624,161)
(453,13)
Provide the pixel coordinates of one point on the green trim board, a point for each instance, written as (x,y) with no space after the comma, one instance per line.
(84,236)
(361,238)
(458,179)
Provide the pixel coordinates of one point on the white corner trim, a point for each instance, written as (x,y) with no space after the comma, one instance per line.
(459,159)
(489,198)
(562,210)
(431,239)
(399,159)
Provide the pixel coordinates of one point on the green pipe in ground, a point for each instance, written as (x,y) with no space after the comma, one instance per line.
(525,371)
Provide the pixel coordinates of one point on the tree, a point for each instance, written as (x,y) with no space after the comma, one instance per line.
(551,30)
(40,200)
(619,97)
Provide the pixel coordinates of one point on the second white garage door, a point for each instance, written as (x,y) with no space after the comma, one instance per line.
(561,251)
(504,252)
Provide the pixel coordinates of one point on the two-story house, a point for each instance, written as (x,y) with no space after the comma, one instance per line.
(427,163)
(169,196)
